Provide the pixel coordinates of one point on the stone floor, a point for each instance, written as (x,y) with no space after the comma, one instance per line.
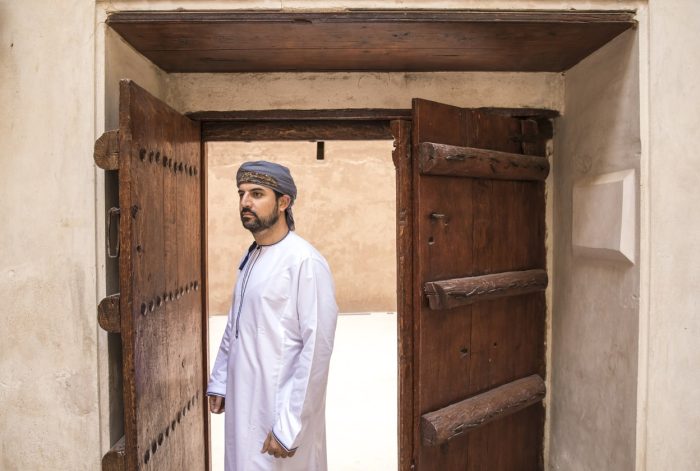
(361,400)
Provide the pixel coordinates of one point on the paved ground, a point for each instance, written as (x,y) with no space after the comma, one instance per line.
(361,402)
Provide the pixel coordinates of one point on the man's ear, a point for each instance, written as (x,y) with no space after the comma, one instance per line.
(284,202)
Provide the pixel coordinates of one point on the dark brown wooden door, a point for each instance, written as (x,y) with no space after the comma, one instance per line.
(160,276)
(478,283)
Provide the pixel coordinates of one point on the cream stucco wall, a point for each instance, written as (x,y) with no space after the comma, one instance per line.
(195,92)
(49,414)
(595,300)
(346,207)
(671,372)
(56,100)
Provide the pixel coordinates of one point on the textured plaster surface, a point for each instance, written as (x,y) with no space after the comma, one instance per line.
(196,92)
(596,302)
(673,375)
(604,222)
(49,415)
(346,207)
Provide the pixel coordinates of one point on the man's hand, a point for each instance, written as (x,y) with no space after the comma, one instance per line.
(216,404)
(273,447)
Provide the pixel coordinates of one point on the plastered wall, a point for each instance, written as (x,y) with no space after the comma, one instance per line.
(195,92)
(670,373)
(595,300)
(346,207)
(49,414)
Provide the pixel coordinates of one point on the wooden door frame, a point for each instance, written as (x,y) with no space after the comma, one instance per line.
(346,124)
(339,124)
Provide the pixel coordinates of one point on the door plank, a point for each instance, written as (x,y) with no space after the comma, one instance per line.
(449,422)
(160,325)
(447,294)
(442,159)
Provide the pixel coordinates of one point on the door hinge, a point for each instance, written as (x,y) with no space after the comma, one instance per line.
(108,314)
(106,151)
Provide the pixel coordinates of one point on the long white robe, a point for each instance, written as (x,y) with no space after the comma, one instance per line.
(274,374)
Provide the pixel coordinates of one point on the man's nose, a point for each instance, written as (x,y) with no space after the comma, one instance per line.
(245,202)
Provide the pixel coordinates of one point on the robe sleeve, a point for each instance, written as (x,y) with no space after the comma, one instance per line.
(217,380)
(317,313)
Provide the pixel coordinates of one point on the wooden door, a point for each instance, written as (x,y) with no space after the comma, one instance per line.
(161,319)
(478,315)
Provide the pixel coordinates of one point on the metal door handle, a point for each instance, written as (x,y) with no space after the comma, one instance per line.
(110,214)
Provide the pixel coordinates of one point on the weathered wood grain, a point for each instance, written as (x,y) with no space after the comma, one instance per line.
(456,419)
(448,294)
(401,129)
(342,114)
(160,276)
(108,314)
(442,159)
(302,130)
(106,150)
(470,227)
(191,41)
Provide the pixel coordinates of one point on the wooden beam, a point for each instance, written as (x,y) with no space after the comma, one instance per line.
(108,314)
(296,130)
(456,419)
(457,292)
(106,150)
(390,40)
(348,114)
(372,16)
(455,161)
(543,113)
(115,458)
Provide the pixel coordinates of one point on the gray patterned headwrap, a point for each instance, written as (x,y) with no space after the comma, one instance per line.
(274,176)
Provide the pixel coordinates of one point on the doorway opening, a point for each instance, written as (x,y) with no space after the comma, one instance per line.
(346,208)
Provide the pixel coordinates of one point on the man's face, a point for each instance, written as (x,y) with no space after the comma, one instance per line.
(258,206)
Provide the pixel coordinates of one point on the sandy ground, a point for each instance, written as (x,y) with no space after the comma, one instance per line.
(361,401)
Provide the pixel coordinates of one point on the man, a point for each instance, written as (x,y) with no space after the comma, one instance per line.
(271,371)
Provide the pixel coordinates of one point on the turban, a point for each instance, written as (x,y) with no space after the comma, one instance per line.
(274,176)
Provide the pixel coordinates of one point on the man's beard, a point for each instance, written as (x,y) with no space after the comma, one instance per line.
(256,224)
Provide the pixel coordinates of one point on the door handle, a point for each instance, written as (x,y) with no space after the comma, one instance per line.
(111,213)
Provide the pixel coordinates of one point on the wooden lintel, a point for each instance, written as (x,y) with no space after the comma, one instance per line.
(108,314)
(540,113)
(114,459)
(106,151)
(345,114)
(296,130)
(456,419)
(442,159)
(447,294)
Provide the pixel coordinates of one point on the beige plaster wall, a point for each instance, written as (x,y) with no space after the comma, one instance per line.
(196,92)
(595,301)
(346,207)
(672,375)
(49,417)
